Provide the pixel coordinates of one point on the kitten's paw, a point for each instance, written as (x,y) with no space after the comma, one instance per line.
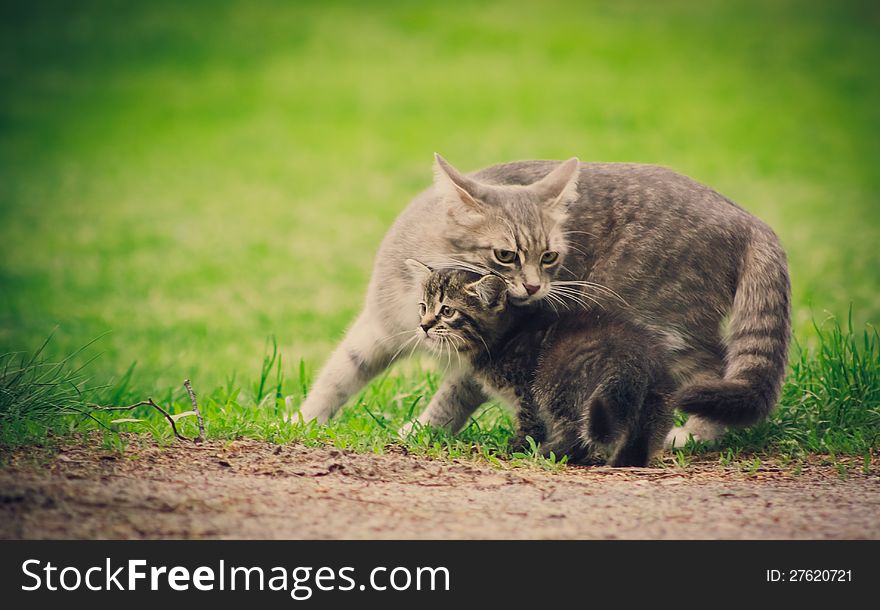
(518,444)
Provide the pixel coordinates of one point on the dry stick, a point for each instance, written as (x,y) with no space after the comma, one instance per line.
(147,402)
(192,398)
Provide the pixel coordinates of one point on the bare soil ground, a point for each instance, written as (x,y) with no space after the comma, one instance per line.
(248,489)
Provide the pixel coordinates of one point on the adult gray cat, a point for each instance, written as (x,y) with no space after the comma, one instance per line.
(680,258)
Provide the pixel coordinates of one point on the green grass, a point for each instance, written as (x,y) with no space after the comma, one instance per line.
(192,178)
(830,406)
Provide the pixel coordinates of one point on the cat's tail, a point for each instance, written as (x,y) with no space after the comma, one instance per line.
(757,342)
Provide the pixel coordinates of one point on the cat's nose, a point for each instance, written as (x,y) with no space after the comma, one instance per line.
(531,288)
(425,327)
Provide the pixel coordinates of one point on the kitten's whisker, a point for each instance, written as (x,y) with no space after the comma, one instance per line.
(403,347)
(444,345)
(394,336)
(483,341)
(415,345)
(455,339)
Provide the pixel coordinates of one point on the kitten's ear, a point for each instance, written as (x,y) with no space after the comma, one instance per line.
(452,185)
(490,289)
(559,188)
(419,270)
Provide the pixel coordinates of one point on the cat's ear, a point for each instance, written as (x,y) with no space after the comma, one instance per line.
(419,270)
(454,186)
(559,188)
(490,289)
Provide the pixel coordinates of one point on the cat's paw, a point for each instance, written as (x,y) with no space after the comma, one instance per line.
(406,429)
(696,428)
(291,411)
(304,414)
(677,438)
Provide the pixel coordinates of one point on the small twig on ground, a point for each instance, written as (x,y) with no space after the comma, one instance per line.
(192,398)
(148,402)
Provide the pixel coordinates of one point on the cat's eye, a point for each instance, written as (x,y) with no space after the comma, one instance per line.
(446,311)
(505,256)
(423,309)
(548,258)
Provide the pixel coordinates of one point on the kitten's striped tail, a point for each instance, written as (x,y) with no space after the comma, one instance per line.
(757,342)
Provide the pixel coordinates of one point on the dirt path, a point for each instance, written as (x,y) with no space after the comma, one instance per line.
(246,489)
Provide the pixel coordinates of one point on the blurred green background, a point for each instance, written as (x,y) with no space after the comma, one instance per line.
(194,177)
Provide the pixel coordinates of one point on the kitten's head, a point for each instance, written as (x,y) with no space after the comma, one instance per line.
(513,230)
(459,310)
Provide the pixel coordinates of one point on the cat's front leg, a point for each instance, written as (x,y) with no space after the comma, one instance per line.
(364,353)
(456,399)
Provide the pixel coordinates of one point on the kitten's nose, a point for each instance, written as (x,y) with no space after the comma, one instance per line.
(425,327)
(531,288)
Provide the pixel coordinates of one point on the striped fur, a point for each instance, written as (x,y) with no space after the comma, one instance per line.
(667,252)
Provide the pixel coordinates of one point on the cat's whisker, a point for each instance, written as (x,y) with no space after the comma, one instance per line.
(576,296)
(575,291)
(578,250)
(509,227)
(570,304)
(579,233)
(563,267)
(554,298)
(589,300)
(443,261)
(460,265)
(588,284)
(570,290)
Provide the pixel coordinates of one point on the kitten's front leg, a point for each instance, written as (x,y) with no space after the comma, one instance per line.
(456,399)
(529,423)
(364,353)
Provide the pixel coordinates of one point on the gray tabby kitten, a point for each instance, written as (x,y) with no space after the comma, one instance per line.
(679,258)
(590,386)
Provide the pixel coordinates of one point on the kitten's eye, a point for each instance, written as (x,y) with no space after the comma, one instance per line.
(505,256)
(549,258)
(423,309)
(446,311)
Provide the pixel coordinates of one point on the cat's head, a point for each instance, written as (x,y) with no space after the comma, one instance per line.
(459,310)
(516,231)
